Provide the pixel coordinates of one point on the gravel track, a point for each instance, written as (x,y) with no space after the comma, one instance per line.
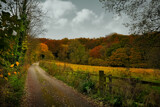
(43,90)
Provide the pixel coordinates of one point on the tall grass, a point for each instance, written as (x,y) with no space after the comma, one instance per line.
(78,80)
(124,93)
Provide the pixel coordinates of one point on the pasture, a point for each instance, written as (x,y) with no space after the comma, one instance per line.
(152,75)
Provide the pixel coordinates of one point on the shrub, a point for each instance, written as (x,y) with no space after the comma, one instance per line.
(87,86)
(97,62)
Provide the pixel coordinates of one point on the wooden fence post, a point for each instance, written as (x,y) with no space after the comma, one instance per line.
(102,82)
(110,83)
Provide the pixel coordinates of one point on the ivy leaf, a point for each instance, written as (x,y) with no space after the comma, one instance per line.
(5,15)
(6,78)
(22,27)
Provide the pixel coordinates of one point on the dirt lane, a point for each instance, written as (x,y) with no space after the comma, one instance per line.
(44,90)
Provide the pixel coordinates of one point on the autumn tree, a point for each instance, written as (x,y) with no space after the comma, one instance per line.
(97,62)
(144,18)
(83,40)
(111,49)
(43,47)
(119,58)
(154,57)
(77,53)
(135,58)
(65,41)
(90,44)
(39,51)
(144,14)
(54,46)
(63,53)
(96,52)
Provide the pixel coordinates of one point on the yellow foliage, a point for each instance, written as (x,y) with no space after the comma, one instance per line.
(6,78)
(9,74)
(44,47)
(17,63)
(1,75)
(12,66)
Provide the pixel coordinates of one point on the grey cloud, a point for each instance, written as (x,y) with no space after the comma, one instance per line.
(67,19)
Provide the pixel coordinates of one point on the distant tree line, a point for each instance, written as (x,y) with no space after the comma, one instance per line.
(113,50)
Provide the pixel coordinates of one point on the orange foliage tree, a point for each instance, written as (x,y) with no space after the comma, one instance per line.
(95,52)
(43,47)
(135,57)
(119,57)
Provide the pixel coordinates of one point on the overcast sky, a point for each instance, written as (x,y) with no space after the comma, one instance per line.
(80,18)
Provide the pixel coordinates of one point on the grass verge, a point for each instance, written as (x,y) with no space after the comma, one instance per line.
(123,92)
(12,89)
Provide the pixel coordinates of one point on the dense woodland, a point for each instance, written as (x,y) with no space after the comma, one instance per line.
(113,50)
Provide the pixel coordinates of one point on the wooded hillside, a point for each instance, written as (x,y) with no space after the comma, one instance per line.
(113,50)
